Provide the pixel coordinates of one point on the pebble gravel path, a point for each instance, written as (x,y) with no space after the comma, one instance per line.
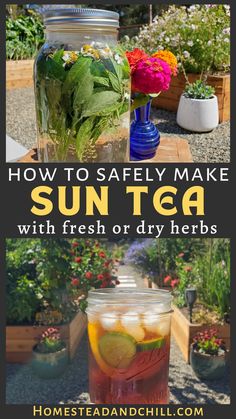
(72,388)
(209,147)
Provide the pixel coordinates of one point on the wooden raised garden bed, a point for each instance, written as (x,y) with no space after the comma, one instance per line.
(169,100)
(183,331)
(21,339)
(19,74)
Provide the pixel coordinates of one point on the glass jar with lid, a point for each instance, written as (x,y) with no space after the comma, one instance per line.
(82,88)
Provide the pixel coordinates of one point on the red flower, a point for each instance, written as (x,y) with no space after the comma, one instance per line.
(181,255)
(167,279)
(117,282)
(106,264)
(97,245)
(188,268)
(100,277)
(104,284)
(78,259)
(102,255)
(174,283)
(75,244)
(88,275)
(134,57)
(75,282)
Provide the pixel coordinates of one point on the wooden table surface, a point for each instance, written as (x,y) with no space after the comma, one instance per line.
(171,150)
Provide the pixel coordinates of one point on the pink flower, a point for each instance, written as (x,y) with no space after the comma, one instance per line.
(151,76)
(174,283)
(167,279)
(100,277)
(181,255)
(88,275)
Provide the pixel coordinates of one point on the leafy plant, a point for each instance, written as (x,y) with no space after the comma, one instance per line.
(80,95)
(199,90)
(50,341)
(22,290)
(24,36)
(199,36)
(212,276)
(208,342)
(92,267)
(183,281)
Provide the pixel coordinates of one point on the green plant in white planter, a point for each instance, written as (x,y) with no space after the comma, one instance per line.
(50,355)
(198,108)
(208,355)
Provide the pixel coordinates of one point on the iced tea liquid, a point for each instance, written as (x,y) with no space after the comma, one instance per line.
(129,349)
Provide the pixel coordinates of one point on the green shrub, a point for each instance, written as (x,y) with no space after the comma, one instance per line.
(22,291)
(198,35)
(24,36)
(48,279)
(212,276)
(38,278)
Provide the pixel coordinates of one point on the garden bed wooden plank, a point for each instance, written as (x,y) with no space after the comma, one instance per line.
(169,100)
(19,74)
(183,331)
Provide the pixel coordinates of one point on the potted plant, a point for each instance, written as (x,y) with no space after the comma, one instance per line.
(198,108)
(208,355)
(50,354)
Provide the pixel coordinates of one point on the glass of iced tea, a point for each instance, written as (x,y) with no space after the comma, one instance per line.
(129,336)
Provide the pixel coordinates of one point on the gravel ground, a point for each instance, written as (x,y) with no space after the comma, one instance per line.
(185,388)
(206,148)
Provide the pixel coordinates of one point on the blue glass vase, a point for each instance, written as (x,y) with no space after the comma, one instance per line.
(144,135)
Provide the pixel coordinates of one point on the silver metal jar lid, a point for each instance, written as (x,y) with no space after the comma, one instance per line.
(86,17)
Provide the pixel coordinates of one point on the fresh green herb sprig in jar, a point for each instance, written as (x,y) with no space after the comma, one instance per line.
(82,87)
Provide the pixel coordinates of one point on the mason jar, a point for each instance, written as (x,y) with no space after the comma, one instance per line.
(129,337)
(82,88)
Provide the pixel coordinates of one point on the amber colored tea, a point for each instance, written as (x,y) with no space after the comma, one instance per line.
(129,354)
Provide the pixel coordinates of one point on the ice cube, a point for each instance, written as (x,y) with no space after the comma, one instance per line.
(150,321)
(131,323)
(136,332)
(109,321)
(130,318)
(156,324)
(163,328)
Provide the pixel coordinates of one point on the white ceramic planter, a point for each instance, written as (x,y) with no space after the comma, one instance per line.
(198,115)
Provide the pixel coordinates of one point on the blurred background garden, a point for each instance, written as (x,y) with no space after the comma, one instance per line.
(47,284)
(199,36)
